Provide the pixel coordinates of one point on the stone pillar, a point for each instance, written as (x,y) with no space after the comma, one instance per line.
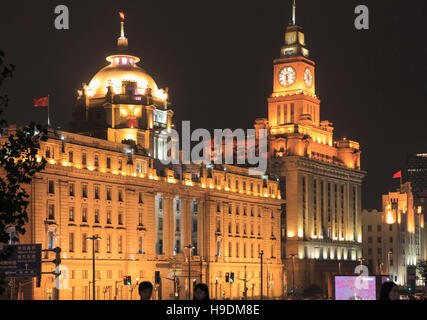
(168,225)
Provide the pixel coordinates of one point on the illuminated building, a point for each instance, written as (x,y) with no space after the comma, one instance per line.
(321,178)
(415,171)
(144,214)
(394,238)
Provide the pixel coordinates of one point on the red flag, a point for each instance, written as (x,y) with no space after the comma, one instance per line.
(41,102)
(397,175)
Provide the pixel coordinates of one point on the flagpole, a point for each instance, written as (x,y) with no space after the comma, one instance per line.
(48,110)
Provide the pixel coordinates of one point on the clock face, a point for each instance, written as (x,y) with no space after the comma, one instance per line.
(287,76)
(308,77)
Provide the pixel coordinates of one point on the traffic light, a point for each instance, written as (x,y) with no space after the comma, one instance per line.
(157,277)
(57,260)
(127,280)
(227,277)
(232,277)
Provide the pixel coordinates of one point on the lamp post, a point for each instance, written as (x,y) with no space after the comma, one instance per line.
(293,273)
(261,254)
(189,247)
(93,238)
(216,288)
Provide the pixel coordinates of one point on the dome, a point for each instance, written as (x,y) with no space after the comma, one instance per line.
(122,68)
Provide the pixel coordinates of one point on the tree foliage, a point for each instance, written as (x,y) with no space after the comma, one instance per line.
(18,165)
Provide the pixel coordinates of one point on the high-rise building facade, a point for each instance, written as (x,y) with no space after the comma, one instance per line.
(321,178)
(104,179)
(393,239)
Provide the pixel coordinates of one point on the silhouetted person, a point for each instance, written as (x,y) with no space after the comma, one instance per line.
(145,290)
(389,291)
(201,292)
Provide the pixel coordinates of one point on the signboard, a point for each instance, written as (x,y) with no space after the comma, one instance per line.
(23,262)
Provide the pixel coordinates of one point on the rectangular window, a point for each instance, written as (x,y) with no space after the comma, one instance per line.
(96,244)
(108,216)
(120,244)
(51,212)
(140,245)
(108,163)
(71,213)
(51,187)
(369,228)
(279,114)
(71,190)
(84,191)
(71,156)
(96,192)
(140,217)
(84,158)
(84,242)
(140,197)
(71,242)
(120,218)
(120,164)
(96,161)
(292,112)
(96,215)
(108,193)
(108,244)
(84,214)
(120,195)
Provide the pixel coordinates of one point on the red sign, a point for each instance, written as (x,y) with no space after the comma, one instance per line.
(132,123)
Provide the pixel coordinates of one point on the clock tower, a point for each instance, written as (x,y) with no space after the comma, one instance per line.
(320,176)
(294,95)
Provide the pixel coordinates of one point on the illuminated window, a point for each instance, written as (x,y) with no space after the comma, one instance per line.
(71,214)
(51,212)
(84,214)
(120,244)
(124,60)
(84,191)
(109,246)
(96,215)
(108,216)
(96,192)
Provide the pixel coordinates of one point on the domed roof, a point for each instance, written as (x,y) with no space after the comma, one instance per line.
(122,68)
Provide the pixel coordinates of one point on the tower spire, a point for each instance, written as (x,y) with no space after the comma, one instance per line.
(122,42)
(294,9)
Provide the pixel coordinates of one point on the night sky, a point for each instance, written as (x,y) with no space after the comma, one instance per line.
(217,59)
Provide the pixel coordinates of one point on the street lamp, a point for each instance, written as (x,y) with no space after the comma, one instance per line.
(93,238)
(293,273)
(261,254)
(189,247)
